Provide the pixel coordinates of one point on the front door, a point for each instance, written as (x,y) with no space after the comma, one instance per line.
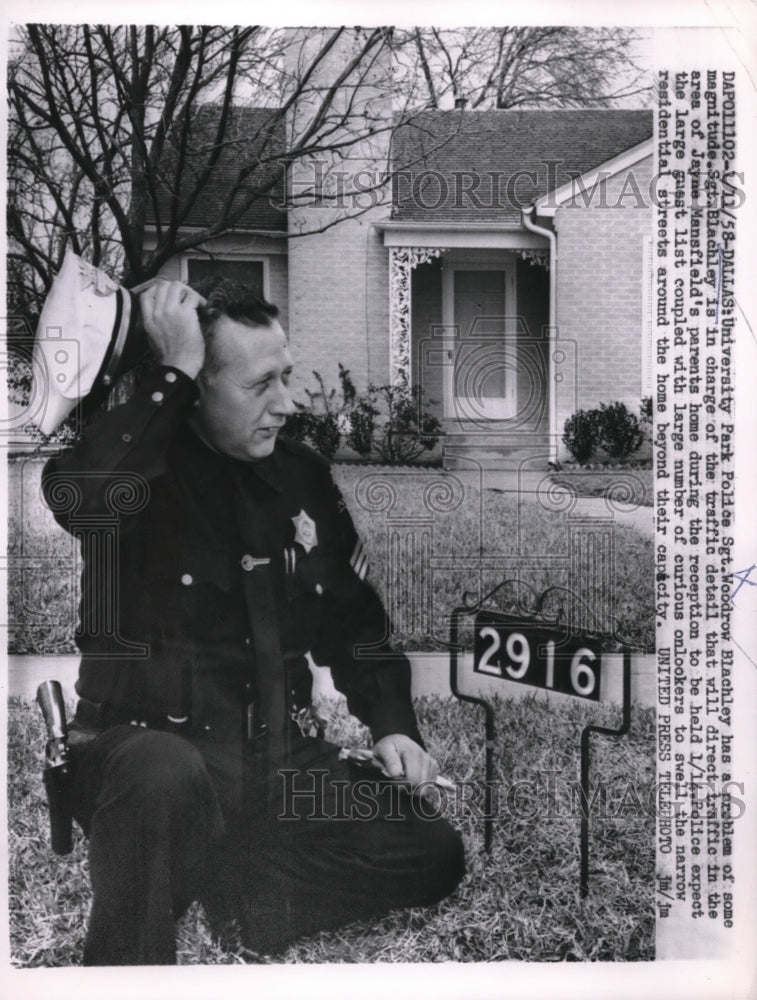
(481,376)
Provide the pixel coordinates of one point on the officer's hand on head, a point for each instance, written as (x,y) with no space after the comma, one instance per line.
(169,314)
(401,757)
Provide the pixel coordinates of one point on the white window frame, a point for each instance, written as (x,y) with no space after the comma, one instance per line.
(237,258)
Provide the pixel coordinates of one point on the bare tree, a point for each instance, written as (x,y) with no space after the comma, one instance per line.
(509,67)
(117,131)
(114,129)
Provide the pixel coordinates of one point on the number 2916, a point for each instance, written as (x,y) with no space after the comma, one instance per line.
(538,659)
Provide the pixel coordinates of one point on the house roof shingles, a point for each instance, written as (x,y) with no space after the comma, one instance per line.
(253,135)
(474,166)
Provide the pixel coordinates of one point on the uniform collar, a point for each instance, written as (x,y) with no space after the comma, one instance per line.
(216,465)
(269,469)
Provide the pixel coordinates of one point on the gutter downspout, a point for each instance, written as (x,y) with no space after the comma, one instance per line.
(552,237)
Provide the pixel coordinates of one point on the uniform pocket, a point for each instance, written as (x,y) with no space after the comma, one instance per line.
(188,593)
(190,566)
(316,573)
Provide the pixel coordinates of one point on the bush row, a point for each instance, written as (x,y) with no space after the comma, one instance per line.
(611,427)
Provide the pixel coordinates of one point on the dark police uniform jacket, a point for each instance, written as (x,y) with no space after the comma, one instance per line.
(173,622)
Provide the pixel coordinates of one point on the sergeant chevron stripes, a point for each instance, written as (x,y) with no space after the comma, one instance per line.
(290,559)
(359,560)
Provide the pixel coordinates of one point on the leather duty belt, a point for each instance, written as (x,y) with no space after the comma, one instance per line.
(98,716)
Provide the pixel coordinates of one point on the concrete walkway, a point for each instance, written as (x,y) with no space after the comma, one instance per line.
(26,672)
(536,487)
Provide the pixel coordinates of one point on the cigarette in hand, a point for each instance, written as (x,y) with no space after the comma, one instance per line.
(138,289)
(365,758)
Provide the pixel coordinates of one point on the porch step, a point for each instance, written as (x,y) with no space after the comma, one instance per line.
(495,451)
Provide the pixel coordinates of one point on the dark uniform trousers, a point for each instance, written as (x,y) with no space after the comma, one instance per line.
(275,845)
(205,583)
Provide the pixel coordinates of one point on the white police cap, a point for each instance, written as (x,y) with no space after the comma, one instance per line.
(86,337)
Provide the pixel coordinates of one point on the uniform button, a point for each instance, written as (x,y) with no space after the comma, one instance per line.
(318,589)
(247,562)
(126,438)
(187,579)
(157,397)
(170,376)
(248,687)
(247,641)
(206,728)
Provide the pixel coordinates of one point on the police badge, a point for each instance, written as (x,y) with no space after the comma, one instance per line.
(305,532)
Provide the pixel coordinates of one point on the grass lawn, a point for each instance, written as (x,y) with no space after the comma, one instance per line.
(430,537)
(519,902)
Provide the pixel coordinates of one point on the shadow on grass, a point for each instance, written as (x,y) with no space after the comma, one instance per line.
(520,902)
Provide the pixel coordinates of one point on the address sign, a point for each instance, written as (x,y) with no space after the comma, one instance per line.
(542,656)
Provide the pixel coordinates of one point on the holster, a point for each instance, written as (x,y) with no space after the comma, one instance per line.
(57,774)
(58,787)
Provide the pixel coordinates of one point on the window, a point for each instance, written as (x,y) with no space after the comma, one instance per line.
(246,272)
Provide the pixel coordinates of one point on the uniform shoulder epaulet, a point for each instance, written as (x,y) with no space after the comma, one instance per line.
(302,450)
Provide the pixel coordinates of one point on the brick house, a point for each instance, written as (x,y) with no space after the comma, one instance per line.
(506,272)
(255,250)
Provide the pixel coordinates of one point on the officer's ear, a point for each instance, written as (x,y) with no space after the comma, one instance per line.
(204,383)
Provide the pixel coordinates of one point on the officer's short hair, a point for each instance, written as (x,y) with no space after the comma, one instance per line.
(224,297)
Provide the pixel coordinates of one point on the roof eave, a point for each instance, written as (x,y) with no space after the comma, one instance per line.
(245,231)
(398,226)
(457,235)
(548,203)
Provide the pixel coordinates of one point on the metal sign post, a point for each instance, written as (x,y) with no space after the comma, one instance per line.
(457,615)
(585,762)
(528,648)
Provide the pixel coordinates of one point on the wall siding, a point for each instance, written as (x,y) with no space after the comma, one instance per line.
(339,305)
(599,294)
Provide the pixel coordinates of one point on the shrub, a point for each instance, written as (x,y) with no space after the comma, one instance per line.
(612,427)
(646,417)
(362,422)
(388,422)
(618,430)
(393,423)
(320,422)
(319,430)
(580,434)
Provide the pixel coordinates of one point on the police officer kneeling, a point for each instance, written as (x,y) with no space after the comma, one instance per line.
(205,774)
